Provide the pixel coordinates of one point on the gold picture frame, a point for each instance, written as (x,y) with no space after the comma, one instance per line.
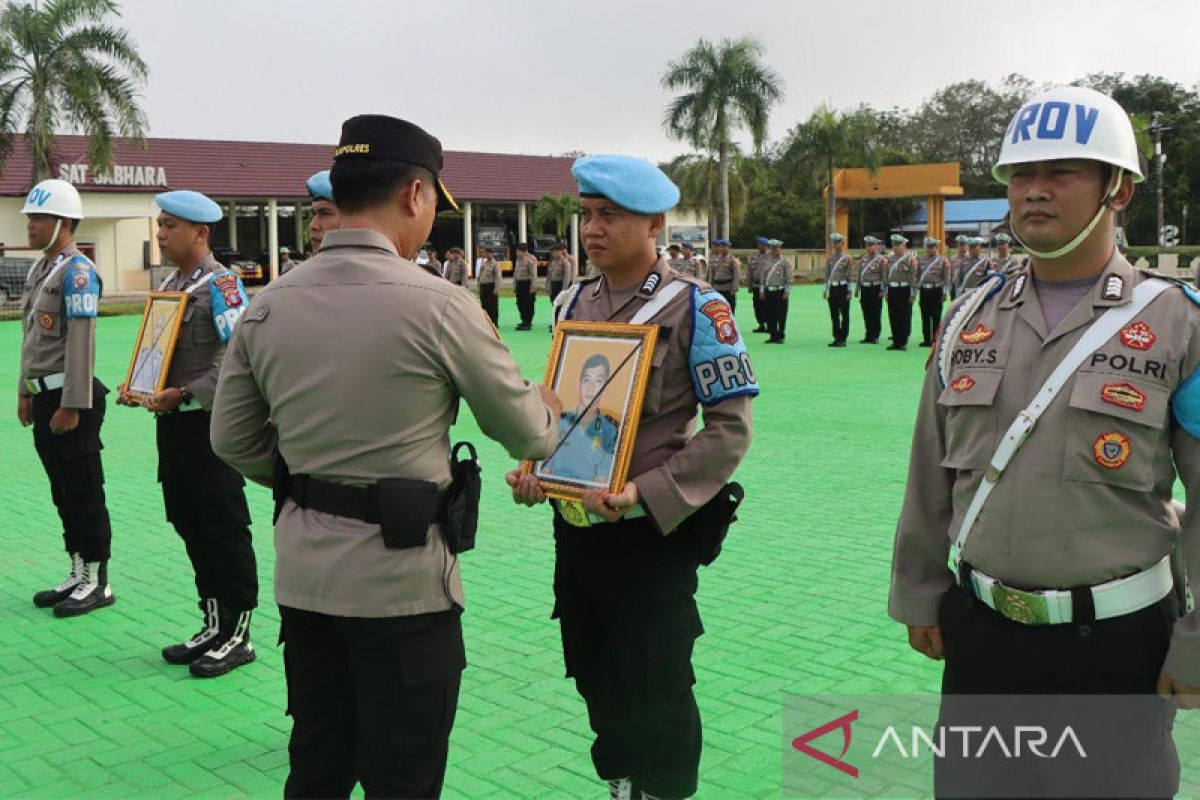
(600,370)
(162,319)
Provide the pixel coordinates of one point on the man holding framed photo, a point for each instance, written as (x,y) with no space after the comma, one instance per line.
(630,650)
(204,497)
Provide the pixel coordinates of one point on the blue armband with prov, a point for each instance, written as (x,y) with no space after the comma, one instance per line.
(229,302)
(81,289)
(717,361)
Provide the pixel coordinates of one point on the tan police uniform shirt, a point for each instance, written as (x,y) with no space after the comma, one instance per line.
(196,360)
(871,271)
(976,272)
(902,270)
(51,343)
(677,469)
(1064,513)
(931,272)
(525,269)
(958,268)
(839,269)
(755,266)
(778,276)
(489,271)
(559,271)
(723,273)
(358,362)
(286,267)
(1007,265)
(456,271)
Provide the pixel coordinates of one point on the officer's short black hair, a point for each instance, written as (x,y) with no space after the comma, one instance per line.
(593,361)
(359,185)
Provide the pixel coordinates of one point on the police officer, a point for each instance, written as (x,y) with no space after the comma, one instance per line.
(60,396)
(900,291)
(776,290)
(959,264)
(625,575)
(286,264)
(559,272)
(932,277)
(204,498)
(488,280)
(675,258)
(723,272)
(755,268)
(1004,262)
(691,261)
(359,361)
(455,269)
(433,261)
(979,265)
(872,280)
(839,283)
(1058,534)
(325,216)
(524,276)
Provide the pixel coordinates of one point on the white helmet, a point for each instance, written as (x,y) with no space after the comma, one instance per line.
(1069,122)
(54,197)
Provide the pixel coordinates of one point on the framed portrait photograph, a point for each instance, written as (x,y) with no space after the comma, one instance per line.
(161,321)
(600,370)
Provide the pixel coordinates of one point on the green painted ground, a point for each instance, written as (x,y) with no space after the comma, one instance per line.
(795,605)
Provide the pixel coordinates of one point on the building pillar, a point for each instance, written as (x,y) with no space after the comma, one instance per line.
(522,223)
(262,229)
(231,213)
(468,238)
(273,236)
(299,219)
(575,237)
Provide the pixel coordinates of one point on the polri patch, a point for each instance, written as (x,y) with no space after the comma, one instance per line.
(722,317)
(1138,336)
(977,336)
(962,384)
(1111,450)
(1125,395)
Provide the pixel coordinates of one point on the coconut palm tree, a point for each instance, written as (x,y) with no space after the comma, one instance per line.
(63,69)
(699,182)
(727,88)
(555,212)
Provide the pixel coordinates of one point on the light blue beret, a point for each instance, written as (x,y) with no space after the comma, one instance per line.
(1003,238)
(898,239)
(631,183)
(763,240)
(319,187)
(721,243)
(190,206)
(687,246)
(836,237)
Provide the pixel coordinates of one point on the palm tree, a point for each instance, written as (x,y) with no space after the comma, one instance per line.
(816,147)
(699,182)
(62,69)
(555,212)
(728,87)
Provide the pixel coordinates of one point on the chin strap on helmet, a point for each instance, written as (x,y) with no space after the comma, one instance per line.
(1105,204)
(54,236)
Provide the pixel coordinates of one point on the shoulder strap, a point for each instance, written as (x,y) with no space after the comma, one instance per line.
(566,301)
(1100,332)
(656,304)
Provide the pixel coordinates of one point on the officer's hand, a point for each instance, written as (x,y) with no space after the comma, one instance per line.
(163,402)
(611,506)
(64,420)
(525,488)
(926,640)
(551,400)
(1181,694)
(25,410)
(124,398)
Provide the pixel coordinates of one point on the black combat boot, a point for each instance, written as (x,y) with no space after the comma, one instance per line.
(232,650)
(90,593)
(202,642)
(49,597)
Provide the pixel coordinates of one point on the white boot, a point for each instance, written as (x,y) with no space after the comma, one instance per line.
(620,789)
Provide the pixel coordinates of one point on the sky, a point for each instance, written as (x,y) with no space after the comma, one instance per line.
(552,76)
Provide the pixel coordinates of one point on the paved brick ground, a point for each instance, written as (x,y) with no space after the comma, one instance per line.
(795,605)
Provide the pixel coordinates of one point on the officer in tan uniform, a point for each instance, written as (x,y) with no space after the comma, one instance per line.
(352,370)
(325,216)
(839,284)
(455,269)
(559,272)
(900,291)
(691,261)
(203,496)
(59,395)
(675,258)
(625,571)
(724,270)
(933,275)
(1033,551)
(872,281)
(978,266)
(489,284)
(286,264)
(959,264)
(524,285)
(1004,260)
(756,267)
(776,291)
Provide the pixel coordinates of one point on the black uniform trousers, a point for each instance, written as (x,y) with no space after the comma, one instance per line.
(72,463)
(899,313)
(1127,739)
(760,315)
(489,301)
(730,295)
(524,293)
(871,303)
(625,600)
(839,312)
(206,503)
(930,300)
(555,288)
(372,701)
(776,308)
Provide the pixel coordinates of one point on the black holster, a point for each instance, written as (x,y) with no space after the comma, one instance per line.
(281,485)
(461,517)
(706,528)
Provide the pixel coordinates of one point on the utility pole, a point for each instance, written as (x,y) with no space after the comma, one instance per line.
(1156,129)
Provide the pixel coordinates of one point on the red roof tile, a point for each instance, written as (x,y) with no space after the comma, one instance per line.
(264,169)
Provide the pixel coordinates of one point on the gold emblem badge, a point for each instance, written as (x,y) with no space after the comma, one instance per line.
(1111,450)
(46,321)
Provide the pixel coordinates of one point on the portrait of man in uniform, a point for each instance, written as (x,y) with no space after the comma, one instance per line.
(601,378)
(156,341)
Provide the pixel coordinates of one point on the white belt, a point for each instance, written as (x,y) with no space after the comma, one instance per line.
(838,283)
(573,513)
(897,283)
(868,283)
(1112,599)
(46,383)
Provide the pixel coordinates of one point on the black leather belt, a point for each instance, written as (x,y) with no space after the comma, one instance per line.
(342,500)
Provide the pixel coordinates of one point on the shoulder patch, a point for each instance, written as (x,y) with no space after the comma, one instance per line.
(717,360)
(81,289)
(228,303)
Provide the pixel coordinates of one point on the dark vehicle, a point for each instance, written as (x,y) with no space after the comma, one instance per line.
(13,272)
(251,271)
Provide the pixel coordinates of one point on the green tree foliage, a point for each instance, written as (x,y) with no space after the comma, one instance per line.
(64,69)
(699,181)
(726,87)
(553,213)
